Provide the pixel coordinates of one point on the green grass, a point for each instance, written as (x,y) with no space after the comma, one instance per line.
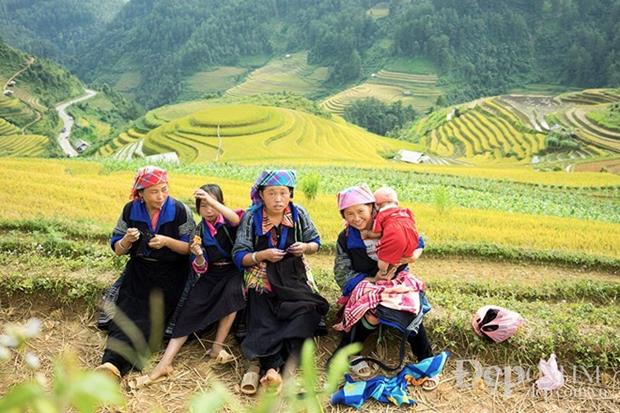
(379,10)
(543,89)
(253,61)
(209,81)
(420,66)
(282,74)
(608,117)
(128,82)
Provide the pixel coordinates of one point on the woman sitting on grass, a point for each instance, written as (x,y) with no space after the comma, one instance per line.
(369,298)
(283,307)
(218,293)
(154,229)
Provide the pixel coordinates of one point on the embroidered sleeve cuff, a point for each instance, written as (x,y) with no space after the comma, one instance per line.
(238,259)
(200,269)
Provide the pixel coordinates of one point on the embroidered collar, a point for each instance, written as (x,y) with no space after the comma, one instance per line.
(214,227)
(287,220)
(166,214)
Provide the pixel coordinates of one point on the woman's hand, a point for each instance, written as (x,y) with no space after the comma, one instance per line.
(196,249)
(202,194)
(131,236)
(298,249)
(159,241)
(271,255)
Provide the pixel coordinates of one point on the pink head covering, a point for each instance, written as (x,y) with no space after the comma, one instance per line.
(496,323)
(385,194)
(147,177)
(355,195)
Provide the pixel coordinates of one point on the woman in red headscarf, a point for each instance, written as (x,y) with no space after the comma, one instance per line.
(154,229)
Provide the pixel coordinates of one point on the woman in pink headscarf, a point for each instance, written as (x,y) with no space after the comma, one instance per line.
(367,299)
(154,230)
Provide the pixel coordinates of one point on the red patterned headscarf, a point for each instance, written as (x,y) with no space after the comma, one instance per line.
(147,177)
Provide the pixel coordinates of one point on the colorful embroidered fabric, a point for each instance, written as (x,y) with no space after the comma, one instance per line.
(355,195)
(400,293)
(147,177)
(283,177)
(389,389)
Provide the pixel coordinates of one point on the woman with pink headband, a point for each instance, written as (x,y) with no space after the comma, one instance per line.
(370,301)
(154,230)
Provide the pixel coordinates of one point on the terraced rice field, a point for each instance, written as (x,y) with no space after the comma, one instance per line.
(489,131)
(118,146)
(418,91)
(23,145)
(7,128)
(250,133)
(16,110)
(291,74)
(514,127)
(575,119)
(218,79)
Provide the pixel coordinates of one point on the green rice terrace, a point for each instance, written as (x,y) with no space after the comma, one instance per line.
(516,128)
(290,73)
(417,90)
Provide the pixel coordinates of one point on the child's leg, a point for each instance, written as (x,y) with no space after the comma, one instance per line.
(164,367)
(223,328)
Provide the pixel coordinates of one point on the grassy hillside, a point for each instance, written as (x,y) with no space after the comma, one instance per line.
(283,74)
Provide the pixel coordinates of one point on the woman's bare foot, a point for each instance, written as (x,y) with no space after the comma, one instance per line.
(272,380)
(160,371)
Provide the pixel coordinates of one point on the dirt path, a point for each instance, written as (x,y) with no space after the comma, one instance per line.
(72,327)
(29,62)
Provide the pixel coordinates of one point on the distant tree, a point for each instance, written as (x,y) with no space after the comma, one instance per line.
(377,116)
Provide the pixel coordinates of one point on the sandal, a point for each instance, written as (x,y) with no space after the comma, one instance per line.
(223,357)
(110,370)
(272,381)
(360,369)
(430,383)
(249,383)
(145,381)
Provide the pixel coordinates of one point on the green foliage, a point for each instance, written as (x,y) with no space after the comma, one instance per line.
(560,142)
(608,117)
(441,199)
(484,48)
(378,117)
(310,186)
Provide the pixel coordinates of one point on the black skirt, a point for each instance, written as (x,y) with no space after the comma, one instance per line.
(290,310)
(216,294)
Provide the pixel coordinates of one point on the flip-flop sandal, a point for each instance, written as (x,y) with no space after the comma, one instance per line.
(361,369)
(430,383)
(249,383)
(224,357)
(273,388)
(145,381)
(110,370)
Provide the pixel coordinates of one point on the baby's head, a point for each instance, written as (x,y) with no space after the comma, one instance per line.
(384,196)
